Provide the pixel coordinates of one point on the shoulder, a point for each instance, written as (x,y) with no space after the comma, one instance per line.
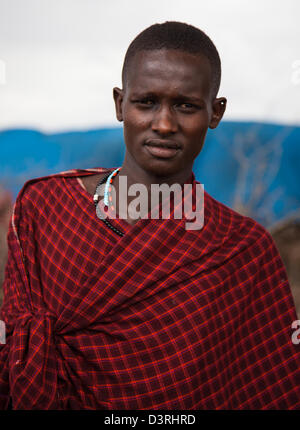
(231,227)
(46,190)
(37,187)
(221,215)
(244,244)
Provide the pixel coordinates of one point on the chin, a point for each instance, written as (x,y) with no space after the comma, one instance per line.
(162,170)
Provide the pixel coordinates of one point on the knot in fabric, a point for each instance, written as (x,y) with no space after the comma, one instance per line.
(37,317)
(33,361)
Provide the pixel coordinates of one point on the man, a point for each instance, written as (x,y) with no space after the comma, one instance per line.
(107,312)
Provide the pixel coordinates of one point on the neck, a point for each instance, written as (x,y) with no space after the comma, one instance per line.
(136,175)
(139,176)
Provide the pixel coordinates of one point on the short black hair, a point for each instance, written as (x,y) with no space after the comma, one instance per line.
(178,36)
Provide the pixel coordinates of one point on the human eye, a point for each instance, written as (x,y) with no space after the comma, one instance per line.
(147,102)
(144,102)
(185,106)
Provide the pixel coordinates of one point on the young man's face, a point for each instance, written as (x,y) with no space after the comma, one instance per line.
(167,107)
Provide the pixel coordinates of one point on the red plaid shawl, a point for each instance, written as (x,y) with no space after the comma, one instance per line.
(161,318)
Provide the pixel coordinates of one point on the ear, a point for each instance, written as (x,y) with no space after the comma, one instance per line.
(218,109)
(118,98)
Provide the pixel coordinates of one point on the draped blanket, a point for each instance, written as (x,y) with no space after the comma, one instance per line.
(161,318)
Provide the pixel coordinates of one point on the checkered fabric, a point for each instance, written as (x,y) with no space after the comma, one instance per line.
(161,318)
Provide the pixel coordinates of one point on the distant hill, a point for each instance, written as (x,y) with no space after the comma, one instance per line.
(252,167)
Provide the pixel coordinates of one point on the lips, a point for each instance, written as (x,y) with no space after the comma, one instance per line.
(162,143)
(162,148)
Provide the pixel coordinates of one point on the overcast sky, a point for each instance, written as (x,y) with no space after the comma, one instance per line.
(60,59)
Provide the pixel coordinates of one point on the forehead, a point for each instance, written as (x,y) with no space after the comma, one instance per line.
(169,69)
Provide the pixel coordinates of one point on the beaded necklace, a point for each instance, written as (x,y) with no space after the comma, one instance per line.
(108,179)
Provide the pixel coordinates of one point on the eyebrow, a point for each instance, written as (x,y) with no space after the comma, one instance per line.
(142,94)
(191,98)
(177,97)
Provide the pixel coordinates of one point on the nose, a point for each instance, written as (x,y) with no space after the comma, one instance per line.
(164,121)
